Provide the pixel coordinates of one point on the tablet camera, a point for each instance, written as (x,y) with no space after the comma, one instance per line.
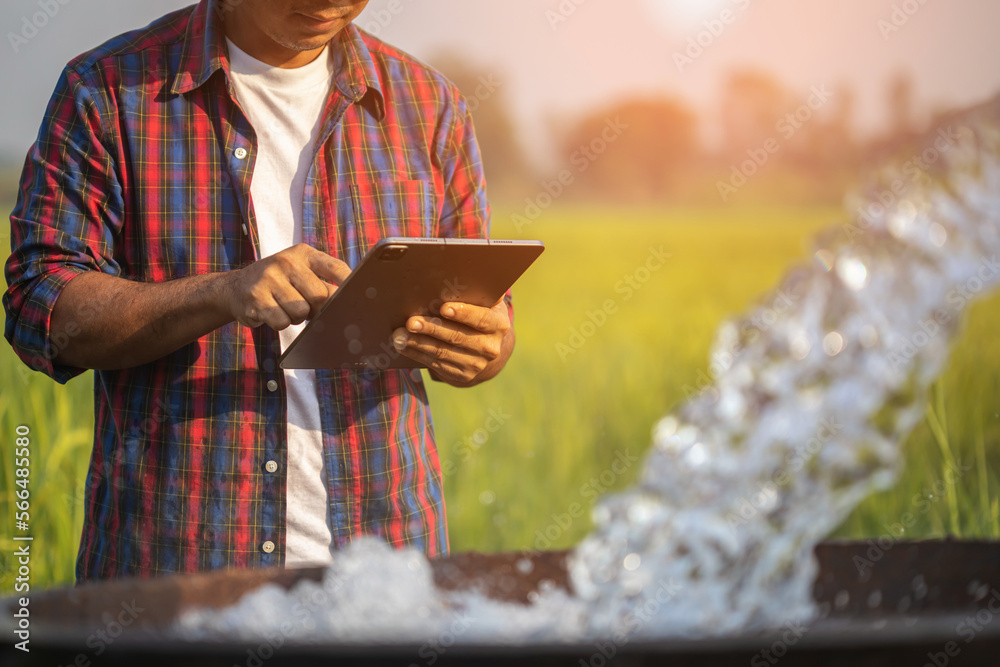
(391,253)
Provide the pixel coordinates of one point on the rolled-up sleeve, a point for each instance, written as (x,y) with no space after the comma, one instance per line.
(466,209)
(69,210)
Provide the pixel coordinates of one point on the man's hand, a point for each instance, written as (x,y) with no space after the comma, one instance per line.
(109,322)
(286,288)
(465,346)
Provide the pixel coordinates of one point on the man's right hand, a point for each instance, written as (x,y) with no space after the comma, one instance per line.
(107,322)
(286,288)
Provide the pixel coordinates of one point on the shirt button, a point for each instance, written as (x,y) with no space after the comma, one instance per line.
(270,466)
(240,153)
(272,385)
(268,546)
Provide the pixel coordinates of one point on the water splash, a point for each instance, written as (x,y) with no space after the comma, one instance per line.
(809,417)
(373,593)
(804,421)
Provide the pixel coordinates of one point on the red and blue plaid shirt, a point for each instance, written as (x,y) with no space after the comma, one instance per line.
(138,172)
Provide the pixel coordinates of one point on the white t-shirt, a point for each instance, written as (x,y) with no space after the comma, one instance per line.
(285,107)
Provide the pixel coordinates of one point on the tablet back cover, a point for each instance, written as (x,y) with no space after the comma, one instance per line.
(399,278)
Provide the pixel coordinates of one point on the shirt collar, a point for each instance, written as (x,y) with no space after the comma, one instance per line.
(204,53)
(355,74)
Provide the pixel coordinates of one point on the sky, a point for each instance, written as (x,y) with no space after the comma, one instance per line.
(556,59)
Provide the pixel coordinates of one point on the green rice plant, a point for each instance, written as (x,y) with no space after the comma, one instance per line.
(989,508)
(937,420)
(60,432)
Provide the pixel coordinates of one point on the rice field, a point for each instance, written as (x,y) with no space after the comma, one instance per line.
(614,324)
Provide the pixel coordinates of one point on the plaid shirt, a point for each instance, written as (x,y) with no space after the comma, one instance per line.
(142,169)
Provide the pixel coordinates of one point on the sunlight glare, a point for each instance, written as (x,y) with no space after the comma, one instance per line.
(686,13)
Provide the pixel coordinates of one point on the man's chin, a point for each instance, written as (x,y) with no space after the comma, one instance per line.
(309,33)
(310,43)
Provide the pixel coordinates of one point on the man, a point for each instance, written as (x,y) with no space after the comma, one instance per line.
(197,187)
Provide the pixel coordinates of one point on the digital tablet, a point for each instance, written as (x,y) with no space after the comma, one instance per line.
(396,279)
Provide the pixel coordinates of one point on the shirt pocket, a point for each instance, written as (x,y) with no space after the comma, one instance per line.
(392,208)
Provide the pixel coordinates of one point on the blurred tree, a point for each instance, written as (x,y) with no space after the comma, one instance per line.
(753,103)
(902,134)
(508,174)
(842,124)
(636,150)
(809,132)
(827,143)
(900,101)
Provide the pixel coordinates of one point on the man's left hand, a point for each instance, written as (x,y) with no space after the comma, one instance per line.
(466,345)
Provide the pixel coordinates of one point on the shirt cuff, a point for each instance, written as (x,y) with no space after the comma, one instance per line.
(32,340)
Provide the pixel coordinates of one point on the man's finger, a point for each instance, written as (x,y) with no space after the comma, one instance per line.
(327,267)
(436,349)
(450,332)
(267,312)
(440,357)
(484,320)
(294,304)
(314,290)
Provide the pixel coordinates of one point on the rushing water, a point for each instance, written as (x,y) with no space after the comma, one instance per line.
(811,403)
